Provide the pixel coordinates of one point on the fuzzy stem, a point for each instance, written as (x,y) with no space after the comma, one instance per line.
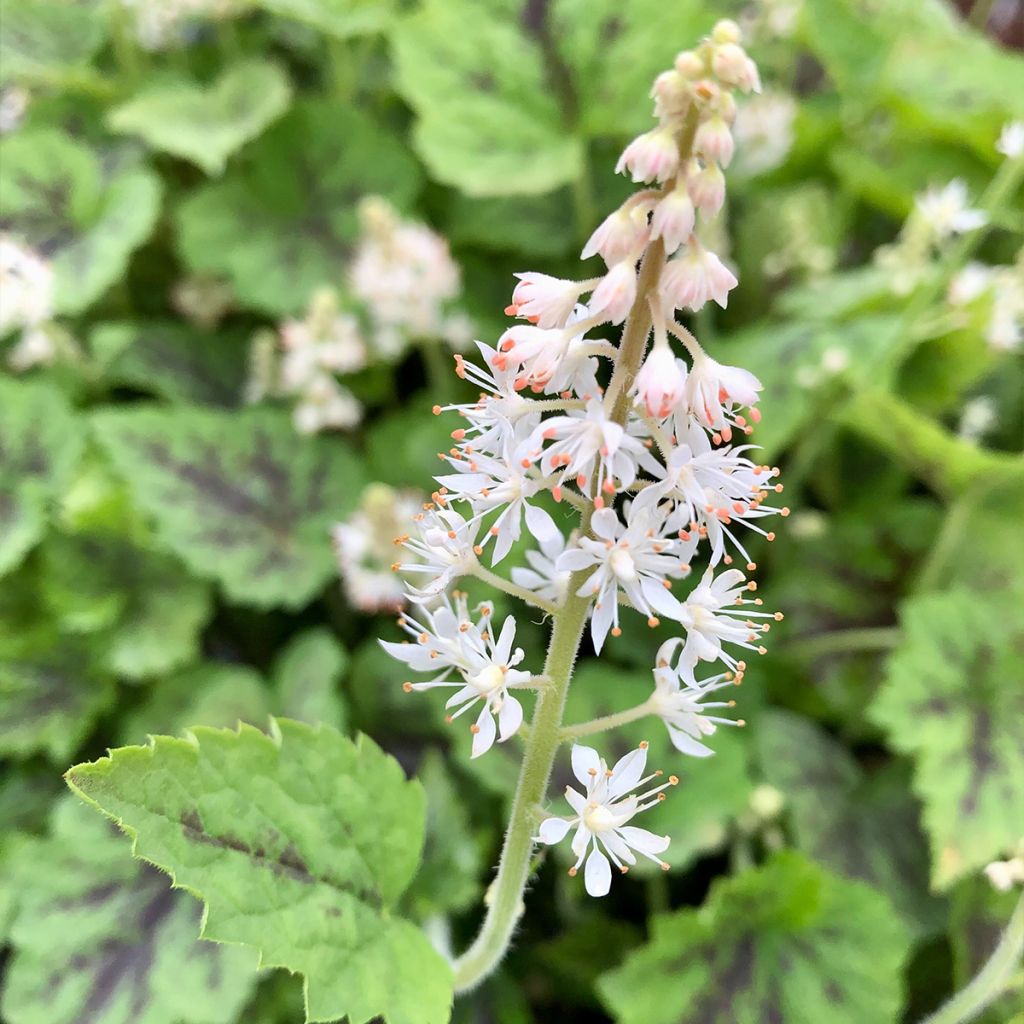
(606,722)
(507,586)
(545,737)
(991,980)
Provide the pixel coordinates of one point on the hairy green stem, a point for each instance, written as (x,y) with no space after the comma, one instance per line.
(546,733)
(991,981)
(492,579)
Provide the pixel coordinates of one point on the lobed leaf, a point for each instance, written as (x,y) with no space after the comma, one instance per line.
(298,843)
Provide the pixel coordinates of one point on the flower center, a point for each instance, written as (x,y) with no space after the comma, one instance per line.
(599,818)
(623,565)
(489,679)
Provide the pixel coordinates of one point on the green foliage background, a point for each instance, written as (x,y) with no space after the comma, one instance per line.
(165,560)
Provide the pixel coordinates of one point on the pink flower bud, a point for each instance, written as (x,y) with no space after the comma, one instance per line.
(689,65)
(614,296)
(671,95)
(660,382)
(622,232)
(726,31)
(673,219)
(713,141)
(713,391)
(544,300)
(707,190)
(693,278)
(653,156)
(733,67)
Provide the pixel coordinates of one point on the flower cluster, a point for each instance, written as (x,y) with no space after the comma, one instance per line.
(398,288)
(998,294)
(649,450)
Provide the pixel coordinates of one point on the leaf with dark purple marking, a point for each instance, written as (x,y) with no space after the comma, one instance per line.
(240,498)
(40,442)
(299,843)
(101,939)
(786,943)
(953,700)
(862,826)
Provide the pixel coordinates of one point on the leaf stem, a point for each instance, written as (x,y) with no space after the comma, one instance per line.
(991,980)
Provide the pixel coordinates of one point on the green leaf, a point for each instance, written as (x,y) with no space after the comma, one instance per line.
(173,361)
(953,701)
(488,120)
(206,125)
(240,498)
(150,611)
(785,942)
(861,827)
(211,693)
(297,843)
(40,442)
(615,49)
(307,675)
(339,18)
(102,939)
(60,196)
(782,355)
(401,443)
(40,39)
(282,225)
(50,695)
(537,225)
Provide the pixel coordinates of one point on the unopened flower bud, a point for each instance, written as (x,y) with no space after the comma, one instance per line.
(614,296)
(544,300)
(653,156)
(660,382)
(726,31)
(620,233)
(671,95)
(689,65)
(693,278)
(673,219)
(707,190)
(733,67)
(713,141)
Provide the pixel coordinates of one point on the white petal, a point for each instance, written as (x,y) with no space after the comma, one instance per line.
(510,717)
(540,524)
(503,648)
(597,875)
(483,739)
(577,801)
(574,559)
(643,841)
(605,523)
(617,846)
(661,598)
(462,695)
(553,830)
(585,760)
(602,618)
(580,841)
(627,772)
(687,745)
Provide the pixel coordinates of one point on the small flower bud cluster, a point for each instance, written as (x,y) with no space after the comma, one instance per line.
(365,548)
(998,294)
(644,450)
(1007,874)
(405,277)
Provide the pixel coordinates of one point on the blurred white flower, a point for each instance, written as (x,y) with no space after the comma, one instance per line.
(977,418)
(945,211)
(764,132)
(26,286)
(1011,140)
(13,104)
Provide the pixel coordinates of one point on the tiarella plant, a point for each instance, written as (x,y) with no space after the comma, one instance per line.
(643,449)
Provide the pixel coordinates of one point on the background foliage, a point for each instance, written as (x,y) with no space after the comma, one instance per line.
(166,562)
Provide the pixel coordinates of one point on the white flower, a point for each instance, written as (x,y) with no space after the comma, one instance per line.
(715,613)
(653,156)
(680,701)
(492,483)
(621,233)
(713,141)
(589,447)
(544,300)
(714,392)
(325,403)
(977,418)
(26,286)
(1005,328)
(1011,140)
(630,557)
(673,219)
(660,383)
(13,104)
(602,814)
(707,189)
(693,277)
(537,352)
(543,576)
(443,546)
(969,284)
(36,347)
(364,547)
(452,644)
(613,297)
(944,211)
